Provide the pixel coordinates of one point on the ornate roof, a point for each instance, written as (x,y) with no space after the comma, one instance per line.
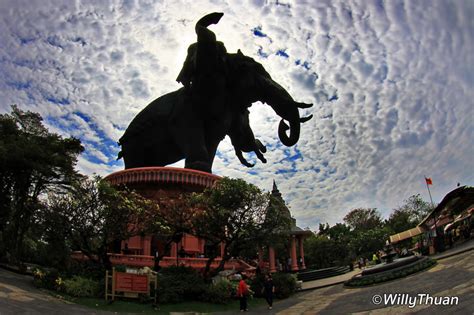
(295,230)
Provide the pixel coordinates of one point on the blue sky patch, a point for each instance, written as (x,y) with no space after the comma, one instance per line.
(257,31)
(333,98)
(58,101)
(54,41)
(304,64)
(282,53)
(261,53)
(17,85)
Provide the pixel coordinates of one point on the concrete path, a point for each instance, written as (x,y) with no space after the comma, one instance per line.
(19,296)
(458,249)
(453,277)
(321,283)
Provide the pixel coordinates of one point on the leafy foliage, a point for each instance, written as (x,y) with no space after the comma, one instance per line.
(177,284)
(257,284)
(285,284)
(236,214)
(92,214)
(218,293)
(409,214)
(46,278)
(33,161)
(323,252)
(362,234)
(81,287)
(363,219)
(391,274)
(366,243)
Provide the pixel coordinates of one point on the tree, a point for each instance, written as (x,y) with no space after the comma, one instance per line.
(366,243)
(363,219)
(236,214)
(174,217)
(409,214)
(93,214)
(33,161)
(323,252)
(338,232)
(330,247)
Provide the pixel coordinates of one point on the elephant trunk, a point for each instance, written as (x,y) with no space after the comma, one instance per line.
(204,34)
(292,139)
(285,107)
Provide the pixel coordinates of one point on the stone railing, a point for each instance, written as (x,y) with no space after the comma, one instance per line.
(132,260)
(165,175)
(148,261)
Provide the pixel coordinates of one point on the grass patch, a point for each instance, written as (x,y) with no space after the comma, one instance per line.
(131,306)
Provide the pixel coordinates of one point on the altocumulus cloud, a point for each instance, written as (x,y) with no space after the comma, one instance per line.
(392,84)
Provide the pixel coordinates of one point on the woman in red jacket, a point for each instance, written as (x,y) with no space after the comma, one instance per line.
(243,293)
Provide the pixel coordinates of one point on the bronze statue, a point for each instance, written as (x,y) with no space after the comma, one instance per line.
(218,88)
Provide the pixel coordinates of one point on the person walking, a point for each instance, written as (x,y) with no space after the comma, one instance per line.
(242,294)
(268,290)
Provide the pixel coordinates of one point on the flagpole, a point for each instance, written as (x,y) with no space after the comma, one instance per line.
(434,213)
(429,192)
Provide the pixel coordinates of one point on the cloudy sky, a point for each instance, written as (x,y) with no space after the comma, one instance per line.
(391,83)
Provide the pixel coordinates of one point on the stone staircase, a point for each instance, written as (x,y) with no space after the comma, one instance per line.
(311,275)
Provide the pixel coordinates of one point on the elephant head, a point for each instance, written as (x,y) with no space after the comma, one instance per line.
(243,139)
(252,83)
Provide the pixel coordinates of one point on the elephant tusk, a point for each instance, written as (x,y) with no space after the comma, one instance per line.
(283,125)
(303,105)
(260,146)
(305,119)
(292,138)
(261,158)
(242,159)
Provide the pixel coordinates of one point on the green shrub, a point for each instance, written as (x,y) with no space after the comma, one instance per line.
(177,284)
(81,287)
(218,293)
(390,275)
(46,278)
(88,269)
(285,284)
(257,285)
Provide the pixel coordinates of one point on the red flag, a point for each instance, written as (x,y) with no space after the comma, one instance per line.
(428,181)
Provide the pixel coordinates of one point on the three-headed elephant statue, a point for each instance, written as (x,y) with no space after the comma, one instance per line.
(189,124)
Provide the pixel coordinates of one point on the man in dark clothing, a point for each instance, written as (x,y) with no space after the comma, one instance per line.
(268,290)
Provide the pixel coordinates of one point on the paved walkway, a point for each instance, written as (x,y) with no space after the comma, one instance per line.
(460,248)
(321,283)
(19,296)
(452,277)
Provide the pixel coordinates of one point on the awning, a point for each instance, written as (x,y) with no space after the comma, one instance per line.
(406,234)
(462,216)
(448,226)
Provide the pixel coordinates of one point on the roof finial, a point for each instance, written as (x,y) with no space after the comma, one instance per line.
(275,191)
